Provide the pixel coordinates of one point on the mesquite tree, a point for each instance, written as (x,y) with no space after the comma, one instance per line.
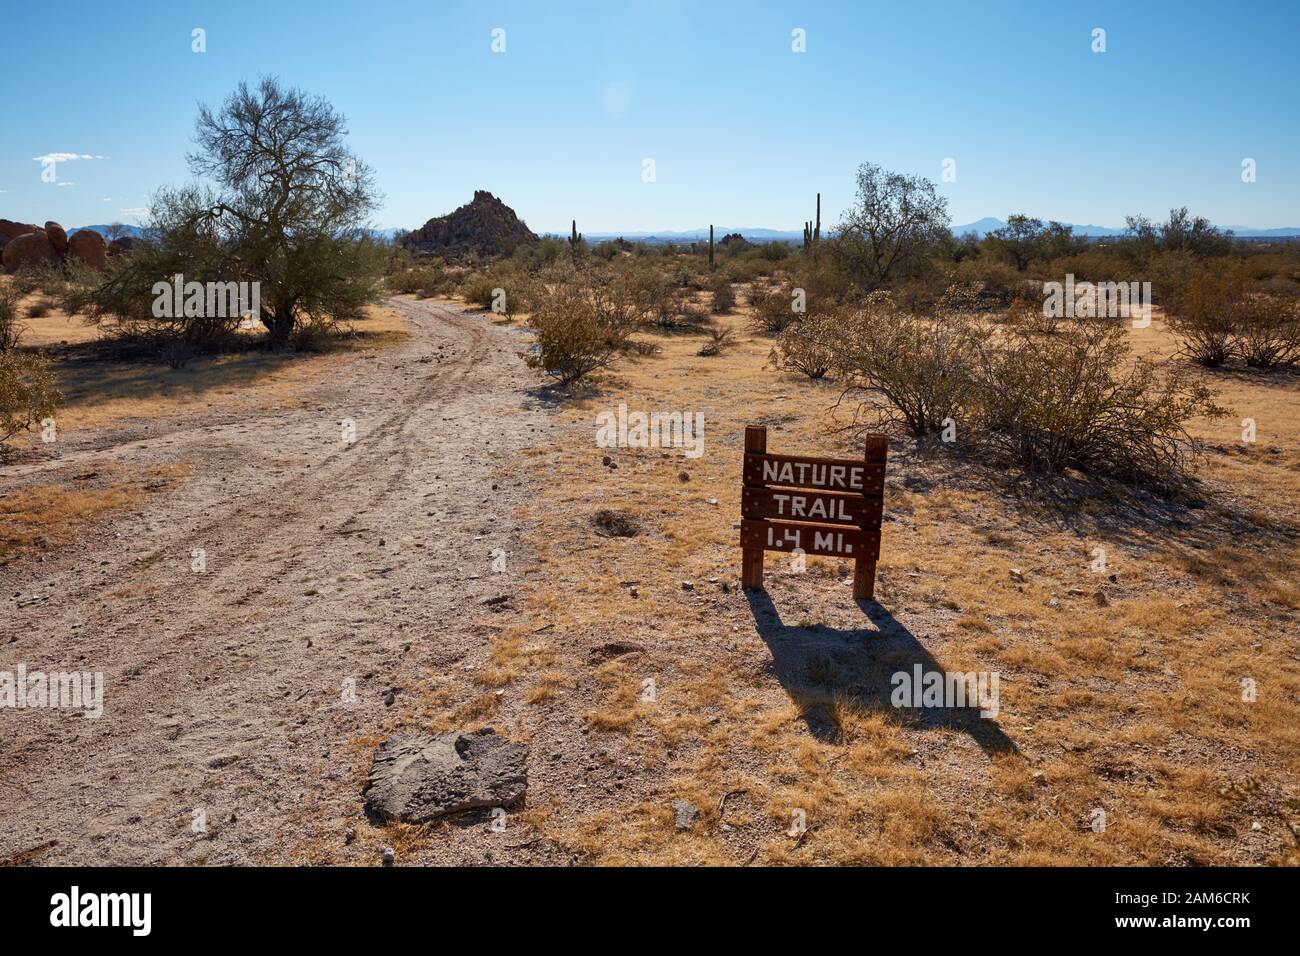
(290,203)
(894,222)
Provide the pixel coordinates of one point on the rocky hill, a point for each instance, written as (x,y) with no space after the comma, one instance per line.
(484,227)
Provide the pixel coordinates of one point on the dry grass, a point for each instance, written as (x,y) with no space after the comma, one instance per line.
(100,394)
(37,517)
(1120,689)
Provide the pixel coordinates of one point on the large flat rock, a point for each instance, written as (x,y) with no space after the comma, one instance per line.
(416,777)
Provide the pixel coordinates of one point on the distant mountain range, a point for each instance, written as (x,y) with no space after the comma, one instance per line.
(136,231)
(696,235)
(982,227)
(133,231)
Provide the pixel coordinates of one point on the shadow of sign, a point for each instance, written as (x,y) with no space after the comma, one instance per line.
(824,668)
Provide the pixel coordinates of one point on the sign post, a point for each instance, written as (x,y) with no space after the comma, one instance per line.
(824,506)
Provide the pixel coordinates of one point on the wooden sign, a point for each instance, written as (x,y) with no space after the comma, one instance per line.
(823,506)
(793,504)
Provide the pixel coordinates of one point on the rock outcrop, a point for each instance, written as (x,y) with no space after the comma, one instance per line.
(416,778)
(30,251)
(484,227)
(89,246)
(23,246)
(10,230)
(58,237)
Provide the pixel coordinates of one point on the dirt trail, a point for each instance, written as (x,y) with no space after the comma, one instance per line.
(325,563)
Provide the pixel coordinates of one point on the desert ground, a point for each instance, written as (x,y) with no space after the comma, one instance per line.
(642,677)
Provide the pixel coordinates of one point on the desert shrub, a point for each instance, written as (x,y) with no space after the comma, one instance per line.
(315,334)
(27,392)
(544,253)
(691,315)
(415,279)
(724,297)
(137,294)
(811,345)
(1168,272)
(478,290)
(624,297)
(920,367)
(1203,312)
(672,309)
(571,340)
(720,338)
(746,268)
(1030,316)
(1090,266)
(991,283)
(1075,400)
(773,310)
(1268,331)
(1263,266)
(10,331)
(825,283)
(919,296)
(38,310)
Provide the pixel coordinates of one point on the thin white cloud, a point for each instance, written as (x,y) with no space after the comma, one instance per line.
(64,157)
(135,211)
(65,183)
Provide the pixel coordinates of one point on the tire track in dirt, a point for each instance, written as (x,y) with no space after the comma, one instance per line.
(326,563)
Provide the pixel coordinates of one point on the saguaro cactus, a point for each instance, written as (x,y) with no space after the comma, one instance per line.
(710,247)
(817,232)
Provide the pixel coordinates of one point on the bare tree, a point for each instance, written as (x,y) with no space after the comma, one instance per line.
(894,222)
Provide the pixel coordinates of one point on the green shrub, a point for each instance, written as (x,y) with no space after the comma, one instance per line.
(478,290)
(571,340)
(416,279)
(10,331)
(27,392)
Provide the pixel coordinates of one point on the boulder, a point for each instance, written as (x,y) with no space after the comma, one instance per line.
(89,246)
(31,251)
(58,238)
(10,230)
(685,814)
(416,777)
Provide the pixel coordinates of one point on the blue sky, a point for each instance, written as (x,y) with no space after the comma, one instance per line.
(743,131)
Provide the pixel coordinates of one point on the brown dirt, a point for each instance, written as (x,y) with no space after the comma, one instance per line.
(326,563)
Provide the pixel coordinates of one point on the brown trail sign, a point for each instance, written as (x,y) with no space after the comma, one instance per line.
(841,500)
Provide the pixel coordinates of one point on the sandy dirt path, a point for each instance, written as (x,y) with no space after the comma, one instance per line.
(328,565)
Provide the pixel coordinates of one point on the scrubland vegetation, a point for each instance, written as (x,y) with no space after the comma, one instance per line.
(1120,685)
(923,331)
